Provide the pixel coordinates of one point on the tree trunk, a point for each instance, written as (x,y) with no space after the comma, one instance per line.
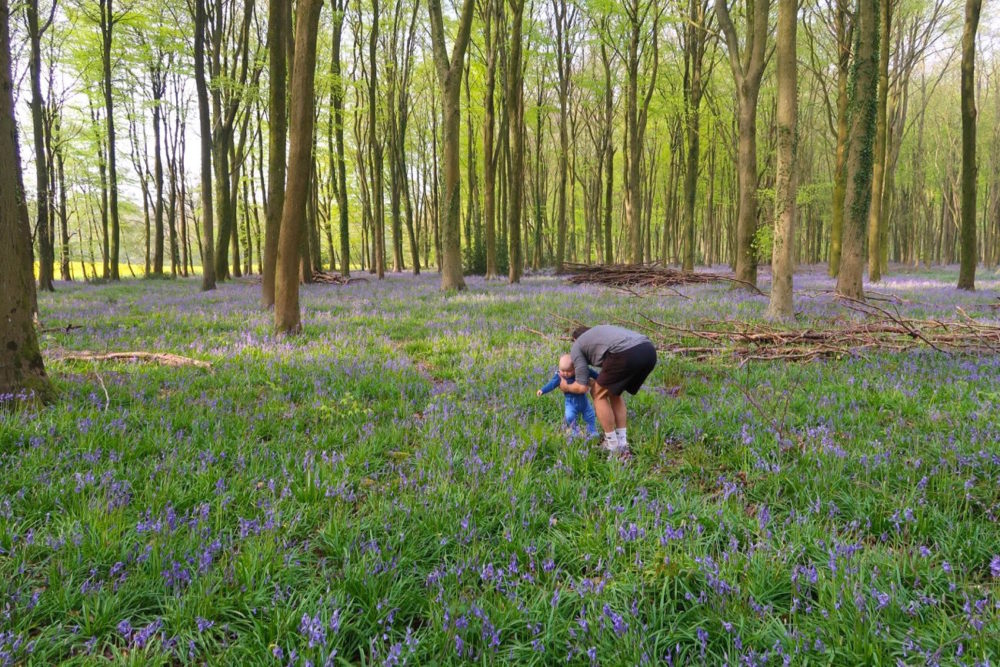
(22,373)
(564,20)
(609,155)
(340,9)
(489,159)
(205,126)
(862,110)
(515,127)
(449,70)
(107,26)
(782,259)
(844,28)
(967,269)
(46,250)
(636,112)
(287,318)
(158,89)
(278,26)
(747,74)
(876,218)
(694,51)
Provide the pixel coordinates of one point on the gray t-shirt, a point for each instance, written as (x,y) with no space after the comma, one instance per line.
(597,342)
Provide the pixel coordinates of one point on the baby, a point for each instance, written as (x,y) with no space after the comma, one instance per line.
(576,404)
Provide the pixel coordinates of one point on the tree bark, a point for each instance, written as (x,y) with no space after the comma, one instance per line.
(695,37)
(287,318)
(46,250)
(636,111)
(564,19)
(278,26)
(205,126)
(875,216)
(449,71)
(489,158)
(843,29)
(782,259)
(862,110)
(747,67)
(967,268)
(340,9)
(515,127)
(22,372)
(108,22)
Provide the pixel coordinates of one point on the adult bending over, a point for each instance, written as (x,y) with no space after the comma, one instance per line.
(625,358)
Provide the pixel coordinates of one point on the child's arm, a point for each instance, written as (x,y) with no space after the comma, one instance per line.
(550,385)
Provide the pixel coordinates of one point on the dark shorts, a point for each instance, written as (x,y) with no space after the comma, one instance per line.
(627,370)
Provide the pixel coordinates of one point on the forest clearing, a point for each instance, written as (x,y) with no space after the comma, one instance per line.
(386,488)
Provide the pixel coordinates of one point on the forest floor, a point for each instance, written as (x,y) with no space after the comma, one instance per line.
(386,488)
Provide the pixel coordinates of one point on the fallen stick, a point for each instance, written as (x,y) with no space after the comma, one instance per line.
(162,358)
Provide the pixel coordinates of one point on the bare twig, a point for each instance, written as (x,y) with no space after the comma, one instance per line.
(107,398)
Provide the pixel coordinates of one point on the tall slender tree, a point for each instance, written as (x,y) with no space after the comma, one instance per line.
(490,10)
(205,127)
(967,270)
(564,18)
(862,105)
(747,64)
(449,71)
(782,258)
(287,318)
(279,25)
(695,35)
(108,21)
(515,128)
(46,243)
(875,217)
(641,56)
(337,99)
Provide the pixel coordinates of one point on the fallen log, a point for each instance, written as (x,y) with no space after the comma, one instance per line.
(162,358)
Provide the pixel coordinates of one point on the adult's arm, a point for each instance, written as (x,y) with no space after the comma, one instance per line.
(551,384)
(582,366)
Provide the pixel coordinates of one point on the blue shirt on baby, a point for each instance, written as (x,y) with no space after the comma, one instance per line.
(578,401)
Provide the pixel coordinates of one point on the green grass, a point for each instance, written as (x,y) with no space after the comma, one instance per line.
(390,477)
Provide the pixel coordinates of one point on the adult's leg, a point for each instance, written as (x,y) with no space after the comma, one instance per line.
(618,409)
(602,406)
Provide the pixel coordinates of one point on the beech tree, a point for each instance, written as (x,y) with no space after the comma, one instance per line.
(22,371)
(746,60)
(449,71)
(967,271)
(287,317)
(782,260)
(279,25)
(862,105)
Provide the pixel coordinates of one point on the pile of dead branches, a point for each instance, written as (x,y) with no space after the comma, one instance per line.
(323,278)
(330,278)
(881,330)
(642,276)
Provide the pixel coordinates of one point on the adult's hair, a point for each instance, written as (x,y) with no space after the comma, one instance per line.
(579,331)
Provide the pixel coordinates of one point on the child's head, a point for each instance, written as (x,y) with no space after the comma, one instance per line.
(566,367)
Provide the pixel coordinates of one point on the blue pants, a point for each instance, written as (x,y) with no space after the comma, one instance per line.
(588,414)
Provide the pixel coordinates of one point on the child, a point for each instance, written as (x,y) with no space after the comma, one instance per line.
(576,404)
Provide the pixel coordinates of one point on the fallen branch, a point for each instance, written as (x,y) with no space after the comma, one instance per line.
(162,358)
(886,330)
(631,277)
(65,329)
